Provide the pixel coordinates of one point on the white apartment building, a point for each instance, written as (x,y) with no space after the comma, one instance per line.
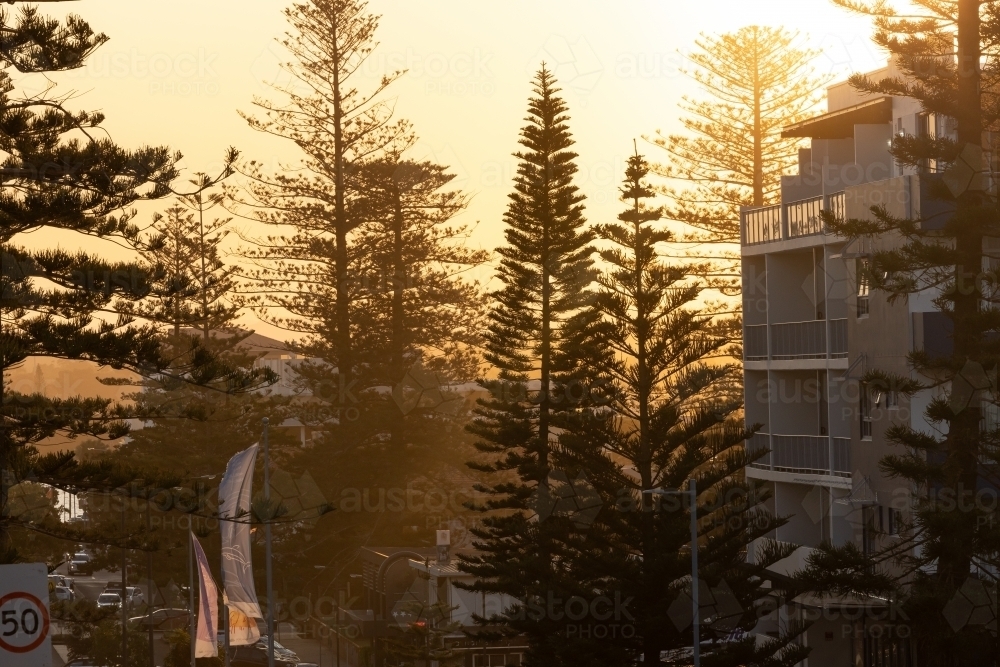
(811,330)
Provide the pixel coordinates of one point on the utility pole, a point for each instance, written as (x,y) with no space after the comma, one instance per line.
(692,493)
(124,595)
(149,584)
(267,546)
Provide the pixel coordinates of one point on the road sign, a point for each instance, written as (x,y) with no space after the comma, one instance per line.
(25,625)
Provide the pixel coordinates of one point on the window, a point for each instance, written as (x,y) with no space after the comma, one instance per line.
(891,400)
(894,519)
(861,271)
(490,660)
(865,409)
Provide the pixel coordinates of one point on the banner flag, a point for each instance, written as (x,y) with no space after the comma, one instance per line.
(206,644)
(234,522)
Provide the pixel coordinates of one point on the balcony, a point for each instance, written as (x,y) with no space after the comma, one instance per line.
(789,220)
(815,339)
(804,454)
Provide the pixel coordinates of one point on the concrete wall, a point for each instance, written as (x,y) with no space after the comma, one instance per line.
(754,273)
(794,402)
(791,275)
(802,504)
(756,396)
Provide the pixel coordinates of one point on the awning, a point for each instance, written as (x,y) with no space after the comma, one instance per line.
(840,124)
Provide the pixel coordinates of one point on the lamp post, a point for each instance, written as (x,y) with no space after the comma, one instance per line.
(692,492)
(267,547)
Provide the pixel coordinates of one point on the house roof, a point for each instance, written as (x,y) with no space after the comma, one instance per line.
(840,124)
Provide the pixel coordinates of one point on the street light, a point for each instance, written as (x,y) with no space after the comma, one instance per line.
(693,493)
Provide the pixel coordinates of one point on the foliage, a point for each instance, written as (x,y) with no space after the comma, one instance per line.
(674,414)
(946,53)
(545,272)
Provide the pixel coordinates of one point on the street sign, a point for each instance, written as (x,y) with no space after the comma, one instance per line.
(25,626)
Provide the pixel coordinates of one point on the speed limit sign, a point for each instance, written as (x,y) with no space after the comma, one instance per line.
(25,625)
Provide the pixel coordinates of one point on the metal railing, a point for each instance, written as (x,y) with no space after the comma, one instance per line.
(761,225)
(837,204)
(755,342)
(838,339)
(799,340)
(796,340)
(804,454)
(803,217)
(791,220)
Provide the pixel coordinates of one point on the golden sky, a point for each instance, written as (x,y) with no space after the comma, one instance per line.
(175,72)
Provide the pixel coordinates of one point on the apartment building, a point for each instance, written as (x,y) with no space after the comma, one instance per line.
(812,329)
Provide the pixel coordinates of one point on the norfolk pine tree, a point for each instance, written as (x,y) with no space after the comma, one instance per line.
(675,413)
(338,126)
(52,300)
(545,273)
(947,52)
(757,80)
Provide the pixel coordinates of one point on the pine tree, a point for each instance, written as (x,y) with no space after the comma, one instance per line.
(367,269)
(674,413)
(947,54)
(194,287)
(545,273)
(339,126)
(51,299)
(757,80)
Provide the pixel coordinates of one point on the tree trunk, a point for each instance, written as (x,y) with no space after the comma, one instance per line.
(758,138)
(961,467)
(345,361)
(398,284)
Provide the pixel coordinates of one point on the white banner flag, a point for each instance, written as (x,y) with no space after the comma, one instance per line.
(205,645)
(234,505)
(243,630)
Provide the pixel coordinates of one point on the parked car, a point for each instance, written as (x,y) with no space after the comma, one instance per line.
(162,620)
(81,564)
(134,597)
(82,662)
(64,594)
(109,601)
(252,656)
(279,650)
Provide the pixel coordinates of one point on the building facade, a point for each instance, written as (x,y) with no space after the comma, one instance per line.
(812,329)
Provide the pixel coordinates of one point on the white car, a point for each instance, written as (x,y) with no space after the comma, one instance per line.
(64,594)
(134,597)
(109,601)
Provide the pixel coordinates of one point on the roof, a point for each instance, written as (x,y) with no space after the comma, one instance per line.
(840,124)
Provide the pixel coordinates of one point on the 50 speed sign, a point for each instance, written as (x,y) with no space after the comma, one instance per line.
(25,639)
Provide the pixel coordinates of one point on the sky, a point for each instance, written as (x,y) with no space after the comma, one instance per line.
(176,72)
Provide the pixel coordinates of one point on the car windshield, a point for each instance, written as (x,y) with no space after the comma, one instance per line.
(108,597)
(81,558)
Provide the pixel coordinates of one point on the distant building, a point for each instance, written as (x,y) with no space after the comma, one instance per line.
(812,329)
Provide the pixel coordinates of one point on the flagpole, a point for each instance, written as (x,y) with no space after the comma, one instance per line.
(267,546)
(225,607)
(191,591)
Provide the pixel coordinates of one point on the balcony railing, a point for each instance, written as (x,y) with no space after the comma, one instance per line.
(838,339)
(755,342)
(796,340)
(803,217)
(761,225)
(804,454)
(789,220)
